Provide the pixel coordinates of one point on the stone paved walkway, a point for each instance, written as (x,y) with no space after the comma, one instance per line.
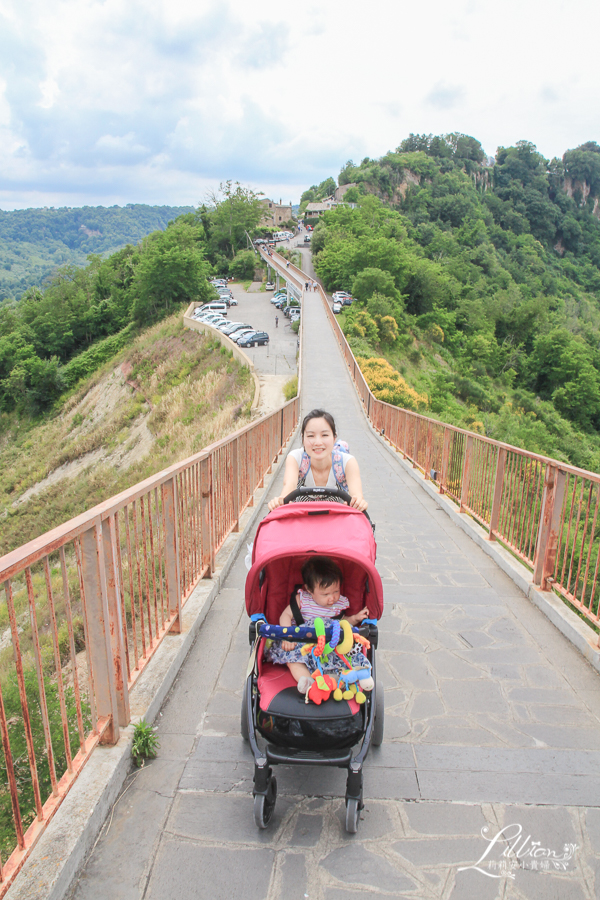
(492,722)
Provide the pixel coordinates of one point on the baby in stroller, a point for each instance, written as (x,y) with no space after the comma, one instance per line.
(320,597)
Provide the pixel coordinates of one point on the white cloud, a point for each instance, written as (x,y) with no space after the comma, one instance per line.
(124,100)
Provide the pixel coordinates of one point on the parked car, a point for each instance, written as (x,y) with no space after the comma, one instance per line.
(216,306)
(208,314)
(341,296)
(212,316)
(347,301)
(235,326)
(241,333)
(228,326)
(215,321)
(280,294)
(254,338)
(337,307)
(307,238)
(281,304)
(269,286)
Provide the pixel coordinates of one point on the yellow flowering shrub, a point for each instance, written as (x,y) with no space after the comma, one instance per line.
(388,384)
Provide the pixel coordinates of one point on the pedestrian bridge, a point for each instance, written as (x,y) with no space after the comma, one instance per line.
(492,731)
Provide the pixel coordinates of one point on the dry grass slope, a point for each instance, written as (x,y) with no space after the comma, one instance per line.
(165,397)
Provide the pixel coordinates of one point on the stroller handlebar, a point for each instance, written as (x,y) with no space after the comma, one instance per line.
(320,493)
(323,493)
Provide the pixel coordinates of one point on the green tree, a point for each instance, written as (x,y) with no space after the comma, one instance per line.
(172,270)
(235,211)
(373,281)
(243,264)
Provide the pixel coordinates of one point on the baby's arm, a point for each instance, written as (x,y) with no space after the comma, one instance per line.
(357,618)
(287,620)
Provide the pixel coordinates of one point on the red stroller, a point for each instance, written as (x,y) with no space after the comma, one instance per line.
(280,726)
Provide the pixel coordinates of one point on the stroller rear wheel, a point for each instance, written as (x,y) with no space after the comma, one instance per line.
(264,805)
(244,725)
(377,738)
(353,808)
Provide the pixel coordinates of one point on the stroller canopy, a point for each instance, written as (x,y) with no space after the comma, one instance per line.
(291,534)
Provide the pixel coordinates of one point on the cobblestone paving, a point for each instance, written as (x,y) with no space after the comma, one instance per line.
(492,735)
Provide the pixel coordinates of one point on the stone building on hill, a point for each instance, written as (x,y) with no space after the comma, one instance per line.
(275,213)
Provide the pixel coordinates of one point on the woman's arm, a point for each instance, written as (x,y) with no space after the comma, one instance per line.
(290,480)
(352,473)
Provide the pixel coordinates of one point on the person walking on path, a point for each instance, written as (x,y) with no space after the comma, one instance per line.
(276,321)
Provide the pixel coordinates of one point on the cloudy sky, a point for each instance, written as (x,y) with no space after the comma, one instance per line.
(119,101)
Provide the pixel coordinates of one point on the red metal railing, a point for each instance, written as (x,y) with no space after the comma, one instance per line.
(545,511)
(88,603)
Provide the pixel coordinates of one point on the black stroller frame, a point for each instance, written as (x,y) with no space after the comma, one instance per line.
(350,758)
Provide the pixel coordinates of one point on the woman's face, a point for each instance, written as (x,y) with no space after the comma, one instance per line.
(318,439)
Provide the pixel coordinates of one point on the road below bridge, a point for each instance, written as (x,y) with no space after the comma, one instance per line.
(492,722)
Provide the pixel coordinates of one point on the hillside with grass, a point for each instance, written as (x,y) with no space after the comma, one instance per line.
(165,396)
(34,243)
(477,286)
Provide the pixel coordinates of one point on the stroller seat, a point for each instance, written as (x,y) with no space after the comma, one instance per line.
(285,719)
(279,695)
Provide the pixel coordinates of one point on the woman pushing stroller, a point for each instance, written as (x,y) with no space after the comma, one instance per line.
(321,462)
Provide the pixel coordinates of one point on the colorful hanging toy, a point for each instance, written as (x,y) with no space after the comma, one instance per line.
(324,685)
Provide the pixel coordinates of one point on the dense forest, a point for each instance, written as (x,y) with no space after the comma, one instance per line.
(477,285)
(35,242)
(52,337)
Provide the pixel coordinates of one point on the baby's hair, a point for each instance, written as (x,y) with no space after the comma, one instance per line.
(320,571)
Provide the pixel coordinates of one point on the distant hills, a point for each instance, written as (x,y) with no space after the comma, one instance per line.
(35,242)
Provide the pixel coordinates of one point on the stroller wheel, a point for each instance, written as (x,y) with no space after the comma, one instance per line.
(244,726)
(353,808)
(264,806)
(377,738)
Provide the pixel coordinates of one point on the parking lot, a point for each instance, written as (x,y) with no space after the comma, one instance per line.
(275,363)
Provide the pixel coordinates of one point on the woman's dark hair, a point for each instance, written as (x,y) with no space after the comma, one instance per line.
(320,571)
(319,414)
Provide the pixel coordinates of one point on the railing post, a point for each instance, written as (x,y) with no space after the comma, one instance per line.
(208,543)
(235,478)
(415,443)
(464,489)
(428,452)
(547,539)
(405,432)
(172,567)
(115,619)
(445,460)
(498,485)
(98,617)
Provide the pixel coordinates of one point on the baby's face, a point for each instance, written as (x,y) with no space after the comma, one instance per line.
(326,596)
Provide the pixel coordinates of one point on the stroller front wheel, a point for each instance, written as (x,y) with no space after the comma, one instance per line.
(264,805)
